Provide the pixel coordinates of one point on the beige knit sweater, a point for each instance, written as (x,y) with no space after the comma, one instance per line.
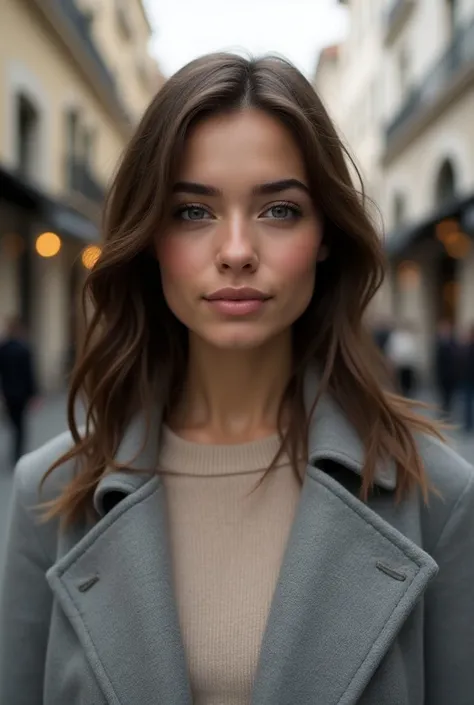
(227,550)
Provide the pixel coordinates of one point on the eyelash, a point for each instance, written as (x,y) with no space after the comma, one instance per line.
(187,207)
(292,207)
(295,210)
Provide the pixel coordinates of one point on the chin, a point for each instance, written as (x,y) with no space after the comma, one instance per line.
(236,344)
(243,339)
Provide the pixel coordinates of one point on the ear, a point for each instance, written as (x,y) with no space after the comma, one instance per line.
(323,253)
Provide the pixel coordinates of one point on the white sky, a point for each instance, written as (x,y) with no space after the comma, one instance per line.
(296,29)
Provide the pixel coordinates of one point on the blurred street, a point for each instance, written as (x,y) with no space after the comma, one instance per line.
(44,423)
(50,419)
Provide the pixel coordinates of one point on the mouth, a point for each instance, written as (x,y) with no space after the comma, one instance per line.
(234,294)
(237,302)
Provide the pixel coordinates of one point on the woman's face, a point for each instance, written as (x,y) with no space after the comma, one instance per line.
(239,250)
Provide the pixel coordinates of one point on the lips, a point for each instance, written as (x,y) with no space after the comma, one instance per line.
(237,294)
(234,302)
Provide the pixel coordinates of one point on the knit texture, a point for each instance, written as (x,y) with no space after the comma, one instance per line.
(227,547)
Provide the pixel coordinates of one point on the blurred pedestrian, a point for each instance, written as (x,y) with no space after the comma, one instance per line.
(403,354)
(467,380)
(17,382)
(381,331)
(447,362)
(246,516)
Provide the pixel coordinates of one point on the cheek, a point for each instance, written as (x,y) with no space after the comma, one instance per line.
(297,262)
(178,260)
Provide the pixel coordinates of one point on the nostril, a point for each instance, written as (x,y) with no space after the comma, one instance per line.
(237,264)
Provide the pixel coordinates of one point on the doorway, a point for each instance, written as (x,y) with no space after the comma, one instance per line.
(447,289)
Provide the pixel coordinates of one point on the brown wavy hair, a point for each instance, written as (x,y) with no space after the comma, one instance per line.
(134,347)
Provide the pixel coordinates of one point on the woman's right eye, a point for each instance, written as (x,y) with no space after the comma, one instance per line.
(192,213)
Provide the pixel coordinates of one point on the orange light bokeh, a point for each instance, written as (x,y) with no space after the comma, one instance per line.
(90,255)
(48,244)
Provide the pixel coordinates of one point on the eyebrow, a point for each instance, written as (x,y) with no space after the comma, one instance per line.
(265,189)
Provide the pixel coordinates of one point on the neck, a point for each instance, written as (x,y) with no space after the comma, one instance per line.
(232,396)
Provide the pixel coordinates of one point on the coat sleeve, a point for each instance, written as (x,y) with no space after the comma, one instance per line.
(449,626)
(25,606)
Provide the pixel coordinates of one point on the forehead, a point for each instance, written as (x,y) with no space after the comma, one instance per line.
(249,145)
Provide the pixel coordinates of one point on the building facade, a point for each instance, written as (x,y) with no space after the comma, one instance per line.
(421,154)
(122,31)
(67,109)
(349,82)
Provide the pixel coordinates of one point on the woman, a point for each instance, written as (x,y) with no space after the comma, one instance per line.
(245,516)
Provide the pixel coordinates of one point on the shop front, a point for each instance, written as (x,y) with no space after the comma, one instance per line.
(433,266)
(45,250)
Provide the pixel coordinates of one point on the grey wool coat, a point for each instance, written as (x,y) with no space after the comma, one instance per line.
(374,604)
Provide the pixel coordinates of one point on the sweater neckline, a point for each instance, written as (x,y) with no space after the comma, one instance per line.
(180,456)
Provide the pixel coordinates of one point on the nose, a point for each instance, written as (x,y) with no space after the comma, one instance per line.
(237,252)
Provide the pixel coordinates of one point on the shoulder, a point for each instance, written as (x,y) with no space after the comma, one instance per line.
(28,533)
(446,469)
(451,479)
(31,469)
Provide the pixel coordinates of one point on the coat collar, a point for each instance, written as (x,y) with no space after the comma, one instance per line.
(331,437)
(138,450)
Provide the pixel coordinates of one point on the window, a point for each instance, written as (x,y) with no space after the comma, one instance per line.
(399,210)
(446,184)
(88,144)
(72,147)
(72,131)
(27,135)
(80,146)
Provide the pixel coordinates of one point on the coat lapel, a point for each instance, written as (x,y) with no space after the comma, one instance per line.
(115,586)
(347,583)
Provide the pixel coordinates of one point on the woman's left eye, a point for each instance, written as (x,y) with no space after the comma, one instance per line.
(282,211)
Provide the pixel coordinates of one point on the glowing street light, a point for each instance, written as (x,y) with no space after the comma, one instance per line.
(90,255)
(48,244)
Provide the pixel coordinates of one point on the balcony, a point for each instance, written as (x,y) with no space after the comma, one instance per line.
(81,181)
(396,17)
(82,26)
(445,81)
(74,27)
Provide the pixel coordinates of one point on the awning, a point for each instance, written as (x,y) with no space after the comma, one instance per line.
(400,239)
(70,223)
(57,216)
